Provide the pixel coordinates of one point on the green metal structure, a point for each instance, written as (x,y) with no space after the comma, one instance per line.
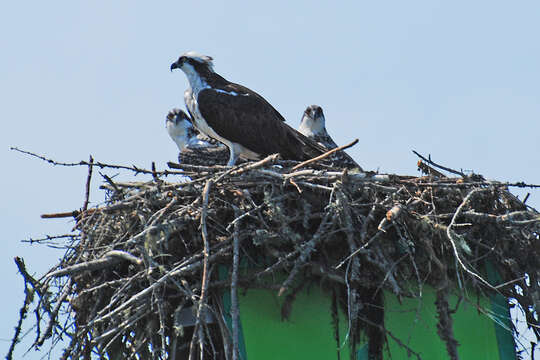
(308,333)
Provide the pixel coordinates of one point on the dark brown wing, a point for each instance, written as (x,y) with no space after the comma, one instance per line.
(244,117)
(340,158)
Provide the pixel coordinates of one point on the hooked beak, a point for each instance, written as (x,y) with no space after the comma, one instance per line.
(174,65)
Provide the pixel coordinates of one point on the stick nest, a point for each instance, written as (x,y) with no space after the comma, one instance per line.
(157,249)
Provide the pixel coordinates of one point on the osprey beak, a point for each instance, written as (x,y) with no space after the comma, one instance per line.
(174,65)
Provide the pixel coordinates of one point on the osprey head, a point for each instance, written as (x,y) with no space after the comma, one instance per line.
(175,116)
(313,122)
(192,60)
(179,127)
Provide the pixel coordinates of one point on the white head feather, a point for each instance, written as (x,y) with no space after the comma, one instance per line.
(203,59)
(186,63)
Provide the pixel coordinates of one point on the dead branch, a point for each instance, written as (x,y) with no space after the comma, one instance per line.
(430,162)
(452,239)
(204,281)
(111,258)
(235,313)
(325,155)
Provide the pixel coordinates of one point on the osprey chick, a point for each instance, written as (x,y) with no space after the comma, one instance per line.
(313,126)
(195,148)
(180,129)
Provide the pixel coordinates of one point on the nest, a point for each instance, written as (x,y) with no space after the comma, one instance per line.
(152,252)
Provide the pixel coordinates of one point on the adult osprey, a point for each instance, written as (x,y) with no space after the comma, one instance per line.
(194,147)
(313,126)
(237,116)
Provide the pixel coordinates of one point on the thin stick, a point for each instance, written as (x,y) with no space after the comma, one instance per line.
(234,294)
(111,258)
(429,161)
(269,159)
(101,165)
(325,155)
(240,169)
(110,182)
(88,179)
(451,238)
(206,254)
(22,269)
(28,298)
(74,213)
(183,268)
(66,290)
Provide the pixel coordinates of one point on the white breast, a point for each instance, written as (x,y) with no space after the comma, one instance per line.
(178,134)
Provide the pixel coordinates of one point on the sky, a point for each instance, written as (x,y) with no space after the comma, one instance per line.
(458,80)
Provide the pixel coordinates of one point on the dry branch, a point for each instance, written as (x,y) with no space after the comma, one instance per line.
(325,155)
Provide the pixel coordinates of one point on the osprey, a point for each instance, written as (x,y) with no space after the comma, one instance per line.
(237,116)
(180,129)
(313,126)
(194,147)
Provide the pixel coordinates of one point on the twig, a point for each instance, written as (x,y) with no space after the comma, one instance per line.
(184,267)
(513,281)
(510,218)
(394,337)
(250,212)
(127,204)
(158,216)
(381,229)
(87,187)
(498,184)
(240,169)
(139,313)
(28,298)
(109,259)
(234,291)
(270,159)
(74,213)
(22,269)
(155,176)
(52,237)
(101,165)
(204,281)
(444,325)
(110,182)
(453,243)
(429,161)
(325,155)
(305,253)
(52,320)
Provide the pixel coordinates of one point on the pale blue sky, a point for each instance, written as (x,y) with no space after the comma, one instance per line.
(459,80)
